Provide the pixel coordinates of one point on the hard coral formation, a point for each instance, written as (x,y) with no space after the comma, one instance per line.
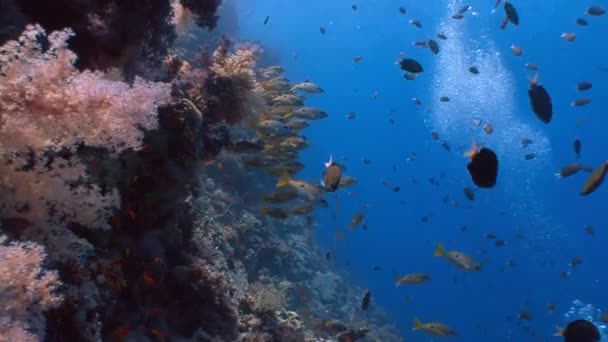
(266,299)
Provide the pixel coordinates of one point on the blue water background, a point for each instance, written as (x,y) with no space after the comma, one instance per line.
(548,214)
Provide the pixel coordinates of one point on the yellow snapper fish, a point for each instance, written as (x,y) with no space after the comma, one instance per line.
(309,113)
(308,87)
(412,279)
(288,100)
(434,328)
(304,189)
(595,179)
(275,84)
(458,259)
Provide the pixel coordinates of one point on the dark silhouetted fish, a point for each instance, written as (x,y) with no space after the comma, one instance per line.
(580,331)
(540,100)
(410,65)
(576,146)
(433,46)
(367,296)
(483,166)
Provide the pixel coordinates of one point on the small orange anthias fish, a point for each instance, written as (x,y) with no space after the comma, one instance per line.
(119,335)
(148,280)
(158,335)
(483,166)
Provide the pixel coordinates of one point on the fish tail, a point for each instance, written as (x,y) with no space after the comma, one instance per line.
(559,332)
(417,325)
(439,250)
(284,179)
(331,161)
(534,80)
(470,153)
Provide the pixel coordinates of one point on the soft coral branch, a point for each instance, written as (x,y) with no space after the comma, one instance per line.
(47,105)
(26,291)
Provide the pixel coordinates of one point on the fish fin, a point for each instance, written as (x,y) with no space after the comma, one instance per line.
(417,325)
(534,80)
(397,281)
(439,250)
(504,23)
(470,153)
(284,179)
(331,161)
(288,114)
(559,332)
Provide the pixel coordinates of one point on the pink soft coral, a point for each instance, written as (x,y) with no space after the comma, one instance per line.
(26,291)
(47,104)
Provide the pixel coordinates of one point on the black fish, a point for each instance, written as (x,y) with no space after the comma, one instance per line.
(576,145)
(266,20)
(464,9)
(367,296)
(511,13)
(581,331)
(410,65)
(595,11)
(433,46)
(473,70)
(483,168)
(540,101)
(468,193)
(582,22)
(584,85)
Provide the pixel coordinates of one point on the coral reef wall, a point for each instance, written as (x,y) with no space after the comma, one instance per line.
(127,217)
(108,33)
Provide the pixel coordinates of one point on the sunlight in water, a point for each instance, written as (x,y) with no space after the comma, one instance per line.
(489,97)
(579,310)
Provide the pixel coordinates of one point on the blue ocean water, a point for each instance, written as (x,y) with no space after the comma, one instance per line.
(541,219)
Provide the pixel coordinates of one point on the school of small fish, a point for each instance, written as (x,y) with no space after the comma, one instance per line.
(278,129)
